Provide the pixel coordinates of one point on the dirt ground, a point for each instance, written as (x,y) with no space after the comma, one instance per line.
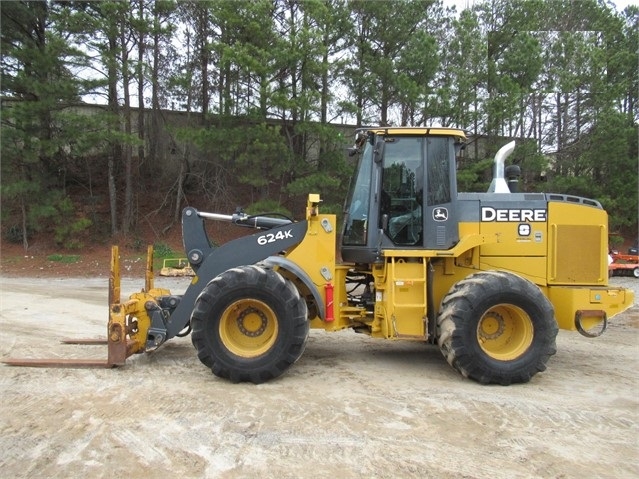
(352,407)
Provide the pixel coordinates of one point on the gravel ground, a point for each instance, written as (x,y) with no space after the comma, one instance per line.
(351,407)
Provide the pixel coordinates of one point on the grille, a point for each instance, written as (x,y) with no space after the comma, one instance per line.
(577,254)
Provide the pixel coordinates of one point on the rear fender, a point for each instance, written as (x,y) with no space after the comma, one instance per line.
(299,273)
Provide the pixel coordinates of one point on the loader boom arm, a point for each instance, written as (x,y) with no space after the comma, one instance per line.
(208,261)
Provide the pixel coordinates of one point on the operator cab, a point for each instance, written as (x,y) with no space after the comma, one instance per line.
(403,194)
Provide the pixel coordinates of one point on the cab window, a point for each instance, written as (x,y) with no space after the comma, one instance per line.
(402,189)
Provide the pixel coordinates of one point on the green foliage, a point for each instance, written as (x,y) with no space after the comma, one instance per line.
(59,214)
(318,182)
(329,174)
(394,59)
(138,244)
(14,234)
(572,185)
(262,156)
(163,250)
(608,170)
(41,137)
(64,258)
(267,207)
(465,60)
(256,153)
(474,177)
(532,163)
(615,241)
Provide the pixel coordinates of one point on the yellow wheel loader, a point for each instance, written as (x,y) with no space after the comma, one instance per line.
(488,277)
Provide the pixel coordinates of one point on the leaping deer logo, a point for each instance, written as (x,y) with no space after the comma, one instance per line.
(440,214)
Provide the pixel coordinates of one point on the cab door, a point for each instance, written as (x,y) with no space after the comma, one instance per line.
(440,197)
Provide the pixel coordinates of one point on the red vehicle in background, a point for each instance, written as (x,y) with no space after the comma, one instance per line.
(623,264)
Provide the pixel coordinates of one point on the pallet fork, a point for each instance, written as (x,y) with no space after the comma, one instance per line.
(127,328)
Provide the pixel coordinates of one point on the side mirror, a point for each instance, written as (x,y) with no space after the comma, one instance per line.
(360,139)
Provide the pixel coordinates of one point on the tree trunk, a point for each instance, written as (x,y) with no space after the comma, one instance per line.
(140,67)
(127,213)
(23,212)
(115,148)
(203,35)
(112,194)
(324,100)
(155,91)
(179,194)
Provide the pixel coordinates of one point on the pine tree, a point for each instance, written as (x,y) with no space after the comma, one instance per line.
(41,134)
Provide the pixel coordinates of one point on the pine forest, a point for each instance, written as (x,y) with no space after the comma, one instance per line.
(118,114)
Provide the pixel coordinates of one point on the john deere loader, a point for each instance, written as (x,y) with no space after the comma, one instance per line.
(488,277)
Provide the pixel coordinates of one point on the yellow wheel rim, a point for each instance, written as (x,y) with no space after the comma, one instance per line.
(505,332)
(248,328)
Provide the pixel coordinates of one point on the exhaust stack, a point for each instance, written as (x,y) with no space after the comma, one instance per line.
(499,184)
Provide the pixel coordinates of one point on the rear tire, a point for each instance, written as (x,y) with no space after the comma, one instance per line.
(249,324)
(635,272)
(496,327)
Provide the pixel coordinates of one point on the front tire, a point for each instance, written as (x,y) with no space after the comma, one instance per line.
(496,327)
(249,324)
